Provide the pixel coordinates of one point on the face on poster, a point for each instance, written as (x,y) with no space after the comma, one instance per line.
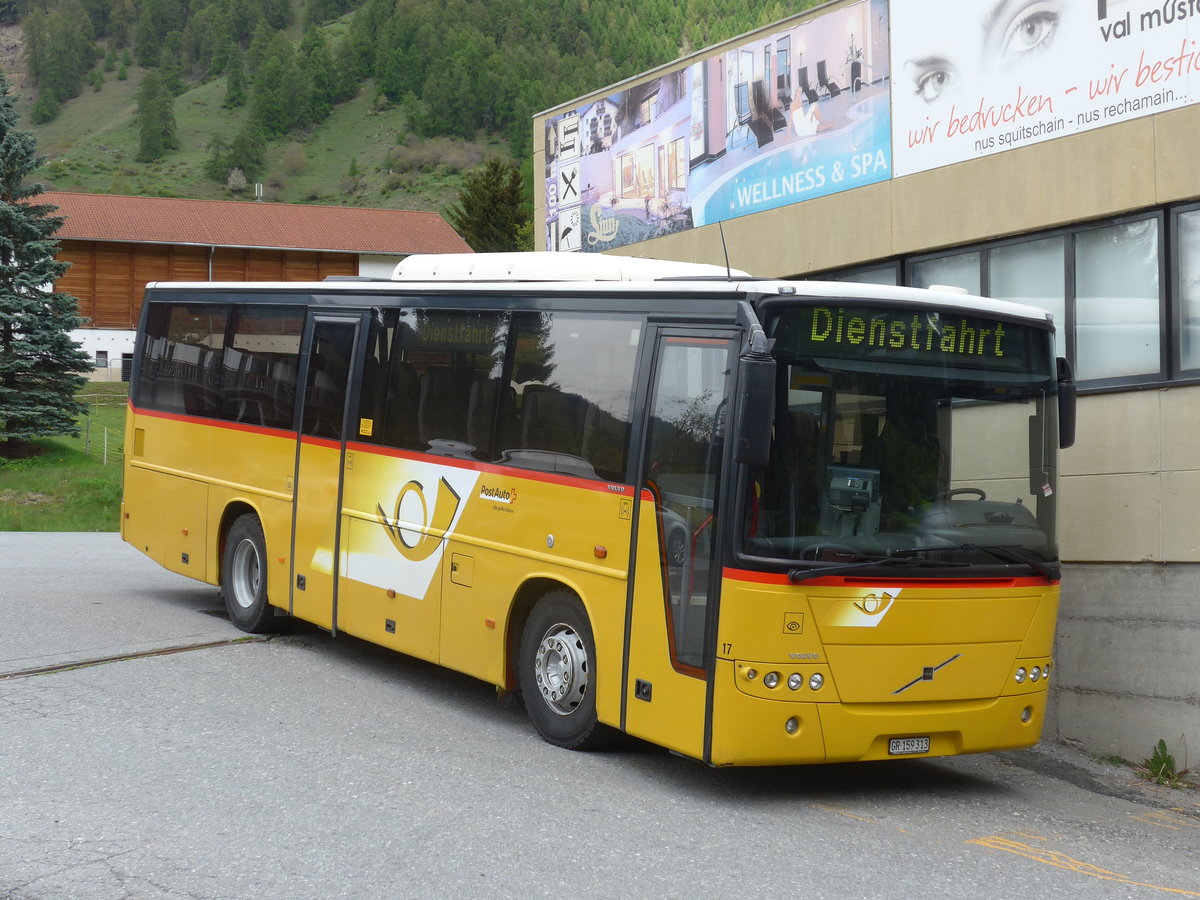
(976,77)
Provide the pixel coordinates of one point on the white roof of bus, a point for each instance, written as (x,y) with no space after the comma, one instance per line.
(503,272)
(548,266)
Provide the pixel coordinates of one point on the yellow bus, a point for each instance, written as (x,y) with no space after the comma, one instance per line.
(756,522)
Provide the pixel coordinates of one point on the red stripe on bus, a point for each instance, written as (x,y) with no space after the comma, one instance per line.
(314,441)
(617,489)
(851,580)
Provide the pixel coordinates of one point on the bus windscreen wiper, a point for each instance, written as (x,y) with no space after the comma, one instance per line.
(797,575)
(1008,554)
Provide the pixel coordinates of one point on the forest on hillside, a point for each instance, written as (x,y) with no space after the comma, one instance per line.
(456,68)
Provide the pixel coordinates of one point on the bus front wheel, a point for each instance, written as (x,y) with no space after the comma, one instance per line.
(557,673)
(244,576)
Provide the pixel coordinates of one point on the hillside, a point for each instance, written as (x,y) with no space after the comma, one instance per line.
(409,104)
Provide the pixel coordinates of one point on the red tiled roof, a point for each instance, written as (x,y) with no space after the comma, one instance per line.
(228,223)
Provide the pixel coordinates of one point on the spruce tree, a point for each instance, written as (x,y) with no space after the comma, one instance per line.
(155,115)
(40,364)
(491,208)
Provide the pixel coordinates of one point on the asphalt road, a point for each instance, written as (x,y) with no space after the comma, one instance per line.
(305,766)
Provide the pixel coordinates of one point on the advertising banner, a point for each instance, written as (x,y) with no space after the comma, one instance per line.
(800,113)
(976,77)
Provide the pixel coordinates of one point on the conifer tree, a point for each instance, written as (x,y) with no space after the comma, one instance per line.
(40,365)
(157,130)
(235,87)
(491,208)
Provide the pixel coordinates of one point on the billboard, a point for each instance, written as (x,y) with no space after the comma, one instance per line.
(853,96)
(976,77)
(799,113)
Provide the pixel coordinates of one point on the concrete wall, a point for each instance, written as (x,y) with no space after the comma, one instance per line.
(1128,647)
(1127,661)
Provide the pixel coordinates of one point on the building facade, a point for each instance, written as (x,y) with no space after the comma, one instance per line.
(117,244)
(1045,158)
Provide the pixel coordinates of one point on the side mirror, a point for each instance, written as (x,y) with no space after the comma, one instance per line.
(755,409)
(1066,404)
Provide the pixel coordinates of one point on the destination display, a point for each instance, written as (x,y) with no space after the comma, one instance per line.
(910,336)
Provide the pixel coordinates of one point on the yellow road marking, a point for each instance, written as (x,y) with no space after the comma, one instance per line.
(1062,861)
(1164,819)
(848,815)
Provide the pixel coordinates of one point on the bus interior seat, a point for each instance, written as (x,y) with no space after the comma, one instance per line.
(441,414)
(373,397)
(605,437)
(403,396)
(552,420)
(490,429)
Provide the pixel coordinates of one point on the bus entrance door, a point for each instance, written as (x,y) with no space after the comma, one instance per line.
(320,453)
(667,679)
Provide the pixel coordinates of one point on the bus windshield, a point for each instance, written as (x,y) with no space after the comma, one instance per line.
(912,436)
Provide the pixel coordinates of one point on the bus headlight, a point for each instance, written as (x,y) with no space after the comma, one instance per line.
(1035,674)
(1020,676)
(815,680)
(795,681)
(771,679)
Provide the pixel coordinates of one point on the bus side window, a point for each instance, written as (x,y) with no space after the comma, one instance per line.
(572,377)
(258,379)
(442,381)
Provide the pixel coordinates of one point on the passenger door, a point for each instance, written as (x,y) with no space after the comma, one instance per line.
(677,575)
(320,458)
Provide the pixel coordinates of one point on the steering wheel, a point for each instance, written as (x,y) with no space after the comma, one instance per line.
(949,495)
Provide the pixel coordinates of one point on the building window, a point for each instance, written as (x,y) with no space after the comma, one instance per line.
(889,274)
(960,270)
(1187,242)
(1034,273)
(1117,309)
(1102,283)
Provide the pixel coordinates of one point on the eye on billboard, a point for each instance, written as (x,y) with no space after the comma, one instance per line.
(978,77)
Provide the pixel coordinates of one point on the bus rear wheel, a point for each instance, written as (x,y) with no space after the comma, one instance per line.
(244,576)
(557,673)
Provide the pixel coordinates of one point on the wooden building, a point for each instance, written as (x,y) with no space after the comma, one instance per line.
(117,244)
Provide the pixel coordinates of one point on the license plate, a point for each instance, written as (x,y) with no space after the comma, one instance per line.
(905,746)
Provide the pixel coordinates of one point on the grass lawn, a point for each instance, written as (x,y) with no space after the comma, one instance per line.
(70,486)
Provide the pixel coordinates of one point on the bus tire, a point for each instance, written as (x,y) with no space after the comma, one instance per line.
(244,576)
(557,673)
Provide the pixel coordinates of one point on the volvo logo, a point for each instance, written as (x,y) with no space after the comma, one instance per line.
(926,674)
